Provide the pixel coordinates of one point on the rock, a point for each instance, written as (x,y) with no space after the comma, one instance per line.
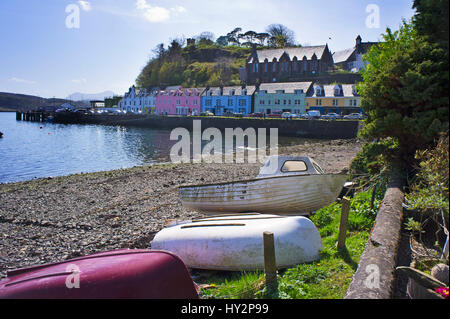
(440,272)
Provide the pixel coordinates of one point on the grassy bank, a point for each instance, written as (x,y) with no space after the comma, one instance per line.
(327,278)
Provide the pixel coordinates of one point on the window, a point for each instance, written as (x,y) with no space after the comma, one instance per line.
(217,102)
(230,102)
(261,102)
(242,102)
(266,67)
(208,103)
(274,67)
(294,166)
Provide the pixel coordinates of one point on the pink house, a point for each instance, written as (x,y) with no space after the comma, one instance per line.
(178,102)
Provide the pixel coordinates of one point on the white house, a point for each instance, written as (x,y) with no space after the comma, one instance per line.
(138,101)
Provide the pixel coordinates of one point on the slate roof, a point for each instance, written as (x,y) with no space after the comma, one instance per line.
(215,91)
(307,52)
(343,56)
(328,90)
(289,87)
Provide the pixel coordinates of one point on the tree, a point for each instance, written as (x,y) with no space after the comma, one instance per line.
(280,35)
(262,37)
(431,20)
(405,92)
(223,40)
(205,37)
(234,36)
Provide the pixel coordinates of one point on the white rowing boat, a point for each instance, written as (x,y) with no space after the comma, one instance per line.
(286,185)
(235,243)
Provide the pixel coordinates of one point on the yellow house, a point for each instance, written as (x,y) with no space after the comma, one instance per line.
(334,98)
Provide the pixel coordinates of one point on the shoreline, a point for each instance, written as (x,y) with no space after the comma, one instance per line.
(53,219)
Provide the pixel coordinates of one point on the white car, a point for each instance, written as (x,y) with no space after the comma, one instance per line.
(355,116)
(289,115)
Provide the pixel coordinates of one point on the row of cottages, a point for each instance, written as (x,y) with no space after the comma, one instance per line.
(285,97)
(228,100)
(278,65)
(138,101)
(267,98)
(179,101)
(334,98)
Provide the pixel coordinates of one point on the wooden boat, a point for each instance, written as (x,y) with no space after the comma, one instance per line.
(235,243)
(119,274)
(286,185)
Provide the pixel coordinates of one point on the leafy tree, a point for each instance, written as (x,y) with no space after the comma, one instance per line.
(405,92)
(223,40)
(262,37)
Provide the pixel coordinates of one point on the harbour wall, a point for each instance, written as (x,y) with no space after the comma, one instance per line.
(320,129)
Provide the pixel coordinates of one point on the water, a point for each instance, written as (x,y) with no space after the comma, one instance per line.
(33,150)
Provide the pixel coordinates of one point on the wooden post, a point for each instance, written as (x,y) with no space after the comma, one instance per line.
(270,264)
(344,220)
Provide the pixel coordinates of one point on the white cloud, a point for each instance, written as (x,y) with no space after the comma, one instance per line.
(157,14)
(85,5)
(18,80)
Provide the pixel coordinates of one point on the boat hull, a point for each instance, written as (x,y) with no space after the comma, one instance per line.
(287,195)
(235,243)
(121,274)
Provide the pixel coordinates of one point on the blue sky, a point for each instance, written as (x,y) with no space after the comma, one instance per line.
(40,55)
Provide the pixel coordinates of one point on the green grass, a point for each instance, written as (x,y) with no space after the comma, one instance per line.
(327,278)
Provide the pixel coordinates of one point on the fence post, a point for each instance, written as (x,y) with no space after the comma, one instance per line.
(270,265)
(344,221)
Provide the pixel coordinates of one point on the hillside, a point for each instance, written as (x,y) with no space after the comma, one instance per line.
(195,66)
(12,102)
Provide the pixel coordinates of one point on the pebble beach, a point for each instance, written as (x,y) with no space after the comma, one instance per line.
(55,219)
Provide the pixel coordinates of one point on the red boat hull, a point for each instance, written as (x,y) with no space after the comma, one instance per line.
(120,274)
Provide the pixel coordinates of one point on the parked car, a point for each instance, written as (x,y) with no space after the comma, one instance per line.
(288,115)
(311,115)
(207,113)
(238,114)
(331,116)
(257,114)
(275,114)
(354,116)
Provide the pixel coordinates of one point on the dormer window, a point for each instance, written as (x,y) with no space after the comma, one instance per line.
(318,90)
(354,91)
(244,92)
(280,91)
(337,90)
(298,91)
(232,92)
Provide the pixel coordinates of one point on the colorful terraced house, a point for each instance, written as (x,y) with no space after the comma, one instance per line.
(179,101)
(282,97)
(342,99)
(222,101)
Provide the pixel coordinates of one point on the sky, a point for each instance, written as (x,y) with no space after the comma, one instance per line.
(53,48)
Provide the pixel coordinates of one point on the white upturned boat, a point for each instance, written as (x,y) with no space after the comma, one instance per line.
(235,243)
(286,185)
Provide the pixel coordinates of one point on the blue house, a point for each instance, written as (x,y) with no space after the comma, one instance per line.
(228,100)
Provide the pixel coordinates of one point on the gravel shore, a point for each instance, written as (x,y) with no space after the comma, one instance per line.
(55,219)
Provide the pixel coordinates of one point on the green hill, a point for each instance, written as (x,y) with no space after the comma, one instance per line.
(196,65)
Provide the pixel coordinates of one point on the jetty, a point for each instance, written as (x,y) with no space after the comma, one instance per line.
(33,116)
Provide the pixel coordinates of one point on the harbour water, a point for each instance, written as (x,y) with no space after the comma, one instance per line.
(31,150)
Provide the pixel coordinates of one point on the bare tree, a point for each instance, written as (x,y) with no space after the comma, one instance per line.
(280,35)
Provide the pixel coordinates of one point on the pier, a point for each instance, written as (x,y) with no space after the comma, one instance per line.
(33,116)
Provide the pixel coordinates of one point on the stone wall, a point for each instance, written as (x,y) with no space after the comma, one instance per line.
(320,129)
